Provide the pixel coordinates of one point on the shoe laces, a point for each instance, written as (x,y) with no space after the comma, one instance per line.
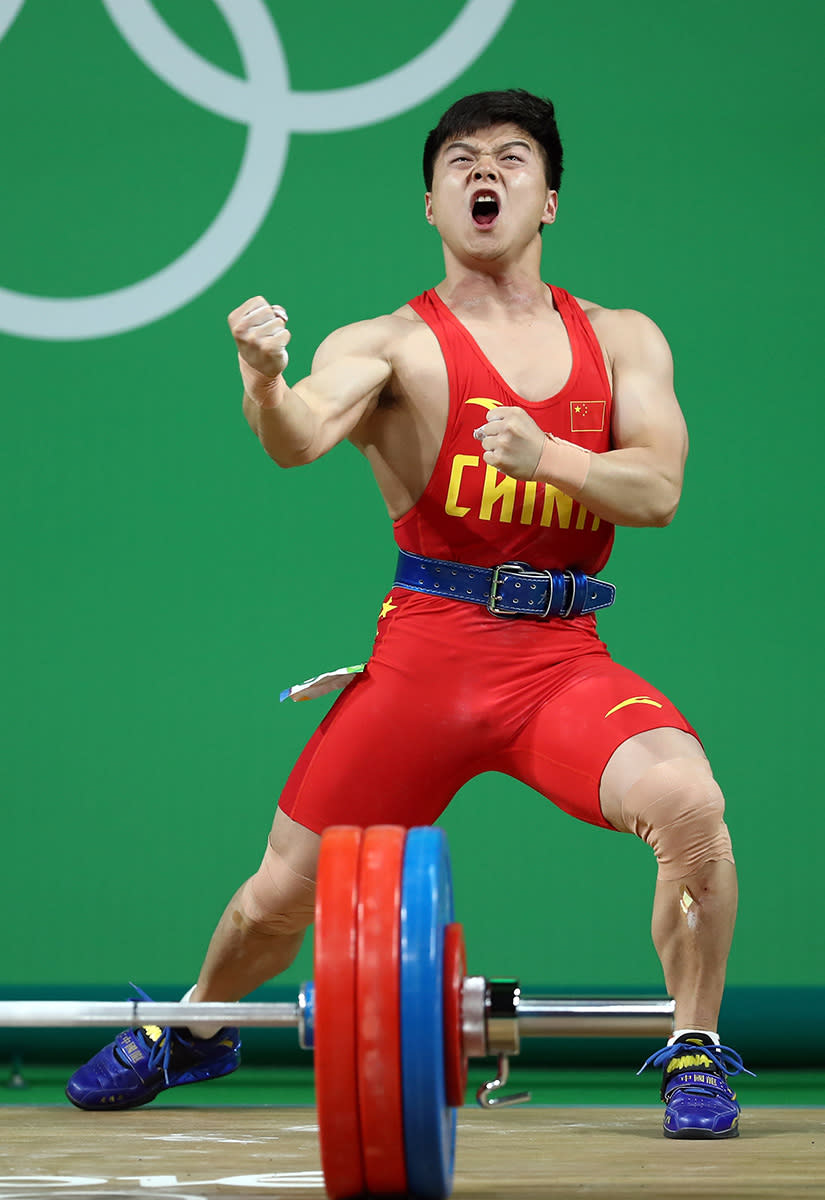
(726,1060)
(161,1047)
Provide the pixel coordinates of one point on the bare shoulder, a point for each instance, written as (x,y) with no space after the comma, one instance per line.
(625,333)
(376,337)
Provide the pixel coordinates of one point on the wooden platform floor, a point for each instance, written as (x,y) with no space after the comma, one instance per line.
(549,1153)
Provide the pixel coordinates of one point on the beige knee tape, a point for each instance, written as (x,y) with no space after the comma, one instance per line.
(277,900)
(677,807)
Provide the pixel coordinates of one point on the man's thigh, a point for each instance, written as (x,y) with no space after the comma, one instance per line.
(388,752)
(564,750)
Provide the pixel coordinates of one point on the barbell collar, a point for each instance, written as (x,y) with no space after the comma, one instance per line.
(473,1016)
(501,1005)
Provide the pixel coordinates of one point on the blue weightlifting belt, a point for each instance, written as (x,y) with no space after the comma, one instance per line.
(513,589)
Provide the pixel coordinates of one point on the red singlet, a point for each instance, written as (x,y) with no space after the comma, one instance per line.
(450,690)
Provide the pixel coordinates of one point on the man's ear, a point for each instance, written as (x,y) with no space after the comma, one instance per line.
(551,208)
(428,208)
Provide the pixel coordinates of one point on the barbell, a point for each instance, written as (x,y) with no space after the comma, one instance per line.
(391,1015)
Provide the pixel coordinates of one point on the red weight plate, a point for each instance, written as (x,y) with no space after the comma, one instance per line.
(336,1066)
(455,1060)
(378,1019)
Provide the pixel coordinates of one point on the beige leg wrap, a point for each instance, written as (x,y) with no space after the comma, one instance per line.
(677,807)
(277,900)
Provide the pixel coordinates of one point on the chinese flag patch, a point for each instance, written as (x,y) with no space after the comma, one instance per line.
(587,416)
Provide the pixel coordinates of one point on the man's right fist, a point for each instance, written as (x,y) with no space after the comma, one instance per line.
(259,330)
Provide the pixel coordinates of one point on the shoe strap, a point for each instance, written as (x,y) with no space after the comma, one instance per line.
(704,1083)
(135,1048)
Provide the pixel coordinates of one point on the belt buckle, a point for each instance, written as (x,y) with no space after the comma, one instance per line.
(517,568)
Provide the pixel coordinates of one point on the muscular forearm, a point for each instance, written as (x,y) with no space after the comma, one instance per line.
(281,419)
(631,485)
(283,423)
(298,424)
(625,487)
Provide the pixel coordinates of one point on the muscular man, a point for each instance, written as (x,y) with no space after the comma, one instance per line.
(504,420)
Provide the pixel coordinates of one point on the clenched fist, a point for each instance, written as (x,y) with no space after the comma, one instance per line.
(260,333)
(512,442)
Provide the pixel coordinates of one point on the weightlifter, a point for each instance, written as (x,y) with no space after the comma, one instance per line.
(505,421)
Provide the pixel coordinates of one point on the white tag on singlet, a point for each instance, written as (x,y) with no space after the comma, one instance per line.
(321,685)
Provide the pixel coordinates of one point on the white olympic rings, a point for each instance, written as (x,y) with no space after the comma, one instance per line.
(251,100)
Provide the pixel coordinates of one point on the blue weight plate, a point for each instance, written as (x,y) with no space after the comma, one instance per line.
(426,909)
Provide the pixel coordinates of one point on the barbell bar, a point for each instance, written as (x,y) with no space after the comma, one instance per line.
(537,1016)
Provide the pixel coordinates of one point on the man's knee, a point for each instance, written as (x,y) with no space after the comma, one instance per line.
(276,900)
(678,808)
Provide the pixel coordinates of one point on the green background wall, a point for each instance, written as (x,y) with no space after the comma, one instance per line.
(154,602)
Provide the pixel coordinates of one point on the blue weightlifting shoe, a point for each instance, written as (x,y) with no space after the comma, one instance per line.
(139,1063)
(700,1104)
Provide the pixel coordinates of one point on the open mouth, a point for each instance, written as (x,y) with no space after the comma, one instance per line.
(484,210)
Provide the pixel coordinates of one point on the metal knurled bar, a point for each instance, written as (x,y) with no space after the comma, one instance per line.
(538,1016)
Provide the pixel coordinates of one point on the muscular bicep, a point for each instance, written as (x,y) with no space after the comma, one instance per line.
(350,370)
(646,413)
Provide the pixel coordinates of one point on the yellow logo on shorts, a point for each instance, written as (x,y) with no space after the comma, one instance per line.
(633,700)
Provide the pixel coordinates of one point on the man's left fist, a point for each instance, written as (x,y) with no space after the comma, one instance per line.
(512,442)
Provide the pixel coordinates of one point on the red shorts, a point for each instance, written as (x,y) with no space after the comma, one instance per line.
(451,691)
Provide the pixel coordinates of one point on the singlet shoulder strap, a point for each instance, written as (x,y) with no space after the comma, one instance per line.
(575,318)
(451,340)
(422,304)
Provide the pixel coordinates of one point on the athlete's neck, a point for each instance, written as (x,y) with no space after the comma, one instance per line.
(485,295)
(496,287)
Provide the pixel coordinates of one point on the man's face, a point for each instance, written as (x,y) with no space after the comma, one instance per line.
(489,192)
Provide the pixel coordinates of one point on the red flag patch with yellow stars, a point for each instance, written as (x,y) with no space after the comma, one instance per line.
(587,416)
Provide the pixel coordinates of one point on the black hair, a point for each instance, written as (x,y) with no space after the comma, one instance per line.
(534,115)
